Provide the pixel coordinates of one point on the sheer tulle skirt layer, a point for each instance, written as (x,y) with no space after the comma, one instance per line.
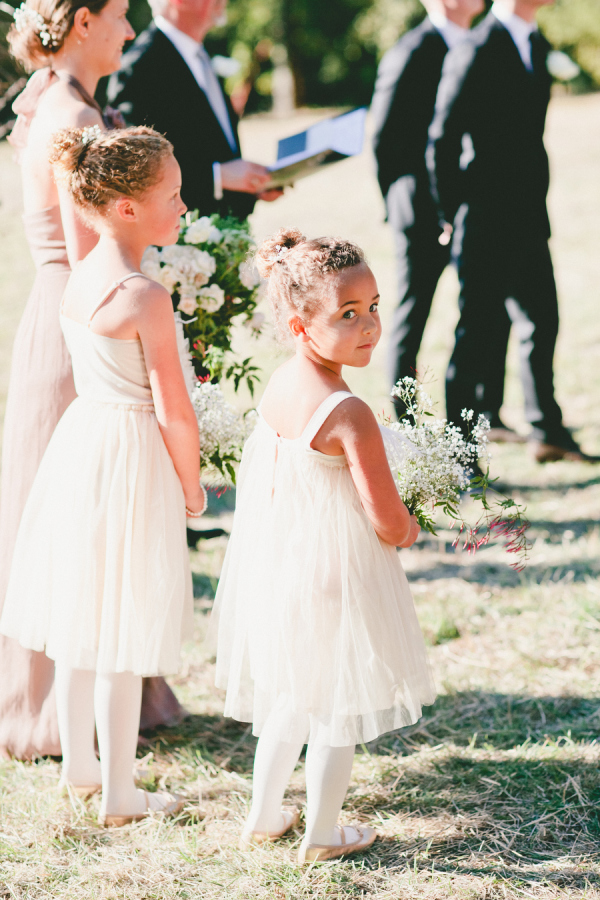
(314,616)
(100,576)
(40,389)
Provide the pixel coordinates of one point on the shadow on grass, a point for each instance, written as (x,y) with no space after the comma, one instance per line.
(468,815)
(495,721)
(560,487)
(506,788)
(498,574)
(478,719)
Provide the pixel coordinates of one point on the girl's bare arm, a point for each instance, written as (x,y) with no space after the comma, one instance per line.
(174,411)
(352,429)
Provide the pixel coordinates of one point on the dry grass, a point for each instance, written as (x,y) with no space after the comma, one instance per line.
(495,792)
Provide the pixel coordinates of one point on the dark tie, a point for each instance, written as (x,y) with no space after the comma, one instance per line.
(538,52)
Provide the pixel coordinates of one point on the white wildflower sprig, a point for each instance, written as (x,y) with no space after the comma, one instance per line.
(433,463)
(223,432)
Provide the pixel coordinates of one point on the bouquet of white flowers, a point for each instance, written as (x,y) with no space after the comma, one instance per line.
(223,432)
(212,282)
(434,463)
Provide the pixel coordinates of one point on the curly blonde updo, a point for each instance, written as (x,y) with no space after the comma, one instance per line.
(298,270)
(41,26)
(98,167)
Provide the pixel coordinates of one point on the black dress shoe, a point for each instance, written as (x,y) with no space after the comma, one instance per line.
(552,453)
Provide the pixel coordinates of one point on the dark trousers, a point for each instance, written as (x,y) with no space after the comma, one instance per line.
(505,280)
(420,263)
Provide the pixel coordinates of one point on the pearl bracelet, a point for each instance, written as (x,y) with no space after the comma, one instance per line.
(196,515)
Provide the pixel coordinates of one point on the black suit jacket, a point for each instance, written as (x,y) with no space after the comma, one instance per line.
(402,109)
(155,87)
(486,146)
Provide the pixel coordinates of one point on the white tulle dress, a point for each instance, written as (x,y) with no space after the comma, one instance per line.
(100,577)
(314,620)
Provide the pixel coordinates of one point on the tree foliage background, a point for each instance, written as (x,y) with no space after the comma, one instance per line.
(333,46)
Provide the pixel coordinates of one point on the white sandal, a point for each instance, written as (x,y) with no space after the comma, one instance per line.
(250,839)
(309,853)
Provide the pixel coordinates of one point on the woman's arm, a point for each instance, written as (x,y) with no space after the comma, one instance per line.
(353,429)
(174,411)
(80,238)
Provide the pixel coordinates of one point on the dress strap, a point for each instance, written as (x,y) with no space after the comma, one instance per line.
(321,414)
(111,290)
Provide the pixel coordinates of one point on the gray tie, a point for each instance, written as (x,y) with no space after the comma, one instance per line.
(214,95)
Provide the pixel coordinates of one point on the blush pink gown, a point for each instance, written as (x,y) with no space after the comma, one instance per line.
(41,388)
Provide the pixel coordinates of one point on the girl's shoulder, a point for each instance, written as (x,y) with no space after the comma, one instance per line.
(129,297)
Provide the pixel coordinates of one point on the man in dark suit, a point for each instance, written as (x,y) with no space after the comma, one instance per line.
(402,109)
(489,169)
(167,81)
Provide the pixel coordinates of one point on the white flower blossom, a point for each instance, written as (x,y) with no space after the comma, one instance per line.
(211,298)
(561,66)
(202,231)
(187,304)
(248,274)
(189,261)
(151,263)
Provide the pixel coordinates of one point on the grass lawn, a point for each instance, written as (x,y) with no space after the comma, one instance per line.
(495,793)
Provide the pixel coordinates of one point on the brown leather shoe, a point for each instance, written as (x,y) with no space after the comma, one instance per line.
(504,435)
(551,453)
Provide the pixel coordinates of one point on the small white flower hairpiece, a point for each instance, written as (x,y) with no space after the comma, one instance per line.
(25,16)
(281,252)
(90,133)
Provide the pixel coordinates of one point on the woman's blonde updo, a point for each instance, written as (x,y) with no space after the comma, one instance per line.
(298,270)
(41,26)
(98,167)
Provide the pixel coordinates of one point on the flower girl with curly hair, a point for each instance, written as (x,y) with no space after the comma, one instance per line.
(100,578)
(317,636)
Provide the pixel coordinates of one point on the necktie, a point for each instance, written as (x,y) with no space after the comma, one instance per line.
(214,95)
(537,52)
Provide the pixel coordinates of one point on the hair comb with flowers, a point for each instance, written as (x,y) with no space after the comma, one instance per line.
(25,16)
(90,133)
(281,252)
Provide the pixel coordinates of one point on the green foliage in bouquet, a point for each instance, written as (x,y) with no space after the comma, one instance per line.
(212,282)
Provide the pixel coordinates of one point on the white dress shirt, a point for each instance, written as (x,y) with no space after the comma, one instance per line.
(198,62)
(519,30)
(452,33)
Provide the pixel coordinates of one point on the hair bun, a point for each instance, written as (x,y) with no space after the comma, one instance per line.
(274,249)
(66,149)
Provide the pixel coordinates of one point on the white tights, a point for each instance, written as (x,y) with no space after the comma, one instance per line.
(328,771)
(116,702)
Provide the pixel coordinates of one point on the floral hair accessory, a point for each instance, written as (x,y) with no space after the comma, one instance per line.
(90,133)
(25,16)
(281,252)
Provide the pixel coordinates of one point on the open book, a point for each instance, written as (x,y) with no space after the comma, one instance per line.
(321,144)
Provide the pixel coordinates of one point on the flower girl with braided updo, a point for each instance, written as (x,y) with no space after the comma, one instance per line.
(317,634)
(108,595)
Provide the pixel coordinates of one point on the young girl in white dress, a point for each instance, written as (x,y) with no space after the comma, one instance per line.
(100,578)
(317,636)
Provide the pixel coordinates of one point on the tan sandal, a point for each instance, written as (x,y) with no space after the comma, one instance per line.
(251,839)
(309,853)
(83,791)
(172,808)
